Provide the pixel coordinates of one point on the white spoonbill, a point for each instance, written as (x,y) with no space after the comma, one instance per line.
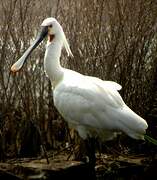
(90,105)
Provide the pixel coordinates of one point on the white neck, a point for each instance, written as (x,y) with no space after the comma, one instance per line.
(52,65)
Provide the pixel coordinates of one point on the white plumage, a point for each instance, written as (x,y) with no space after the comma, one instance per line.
(92,106)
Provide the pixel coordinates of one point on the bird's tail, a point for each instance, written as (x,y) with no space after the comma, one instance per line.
(131,123)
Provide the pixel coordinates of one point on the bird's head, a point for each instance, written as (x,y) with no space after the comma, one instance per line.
(50,27)
(53,28)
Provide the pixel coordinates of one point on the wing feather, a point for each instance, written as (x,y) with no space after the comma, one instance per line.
(95,106)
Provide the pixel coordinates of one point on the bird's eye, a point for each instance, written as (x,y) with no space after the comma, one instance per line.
(50,26)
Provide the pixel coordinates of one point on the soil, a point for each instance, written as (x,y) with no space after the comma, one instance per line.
(108,167)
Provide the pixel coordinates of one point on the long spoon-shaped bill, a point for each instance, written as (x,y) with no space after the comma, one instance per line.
(18,65)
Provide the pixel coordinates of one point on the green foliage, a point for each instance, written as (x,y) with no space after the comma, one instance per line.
(150,139)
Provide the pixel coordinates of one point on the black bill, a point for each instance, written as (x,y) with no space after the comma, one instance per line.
(41,35)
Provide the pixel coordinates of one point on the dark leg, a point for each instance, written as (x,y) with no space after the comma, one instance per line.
(90,147)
